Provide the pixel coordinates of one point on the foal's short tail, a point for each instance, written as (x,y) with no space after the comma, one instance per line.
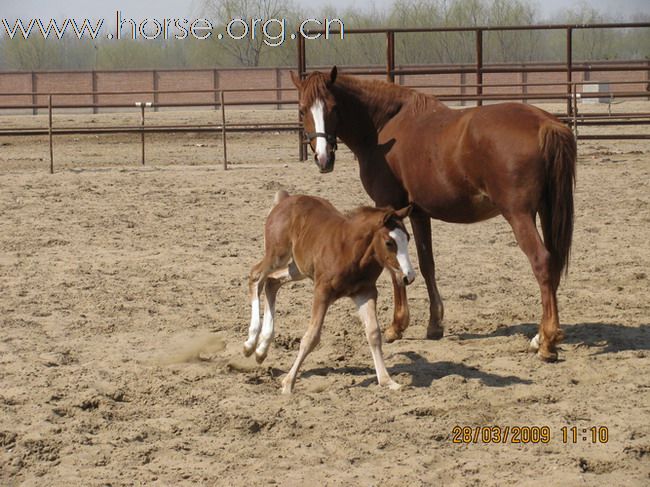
(559,150)
(279,196)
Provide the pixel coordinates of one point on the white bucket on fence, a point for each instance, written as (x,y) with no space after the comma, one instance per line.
(596,88)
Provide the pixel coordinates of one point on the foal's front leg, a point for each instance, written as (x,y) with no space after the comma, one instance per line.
(367,304)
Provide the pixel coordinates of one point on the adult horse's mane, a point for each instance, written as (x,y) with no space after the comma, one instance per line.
(377,93)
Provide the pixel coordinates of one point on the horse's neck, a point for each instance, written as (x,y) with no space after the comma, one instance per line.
(366,107)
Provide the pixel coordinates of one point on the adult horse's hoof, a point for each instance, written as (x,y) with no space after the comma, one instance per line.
(435,333)
(390,335)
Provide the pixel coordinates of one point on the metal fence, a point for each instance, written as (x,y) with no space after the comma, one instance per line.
(476,83)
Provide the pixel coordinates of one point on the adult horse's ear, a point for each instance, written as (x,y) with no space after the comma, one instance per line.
(333,74)
(404,212)
(296,79)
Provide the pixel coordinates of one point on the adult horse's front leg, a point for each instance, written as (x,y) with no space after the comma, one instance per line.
(401,311)
(421,224)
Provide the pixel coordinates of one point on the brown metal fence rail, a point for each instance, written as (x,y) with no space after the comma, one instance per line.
(569,92)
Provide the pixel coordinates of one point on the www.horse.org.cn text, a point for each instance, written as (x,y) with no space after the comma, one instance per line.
(273,32)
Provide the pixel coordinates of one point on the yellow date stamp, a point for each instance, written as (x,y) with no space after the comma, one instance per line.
(494,434)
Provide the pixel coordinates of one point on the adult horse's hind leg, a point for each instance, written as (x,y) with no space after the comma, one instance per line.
(529,240)
(274,282)
(421,224)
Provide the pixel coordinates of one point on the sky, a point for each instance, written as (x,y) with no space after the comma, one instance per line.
(159,9)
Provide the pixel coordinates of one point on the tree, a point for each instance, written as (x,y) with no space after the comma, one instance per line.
(251,48)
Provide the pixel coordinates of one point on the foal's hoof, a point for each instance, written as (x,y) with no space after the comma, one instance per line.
(390,335)
(547,355)
(435,333)
(248,351)
(260,357)
(533,346)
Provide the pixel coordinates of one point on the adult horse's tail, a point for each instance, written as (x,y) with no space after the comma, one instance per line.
(558,147)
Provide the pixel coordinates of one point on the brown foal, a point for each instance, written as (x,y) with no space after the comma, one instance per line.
(344,255)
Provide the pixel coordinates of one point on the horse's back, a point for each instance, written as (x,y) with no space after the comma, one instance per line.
(300,225)
(459,165)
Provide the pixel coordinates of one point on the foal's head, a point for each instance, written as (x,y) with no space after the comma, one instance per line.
(390,245)
(320,116)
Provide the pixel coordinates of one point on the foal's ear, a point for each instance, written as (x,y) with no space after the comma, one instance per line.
(333,74)
(296,79)
(404,212)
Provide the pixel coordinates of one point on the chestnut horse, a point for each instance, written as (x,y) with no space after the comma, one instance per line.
(459,166)
(344,255)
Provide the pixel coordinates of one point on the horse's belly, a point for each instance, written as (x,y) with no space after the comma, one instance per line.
(471,209)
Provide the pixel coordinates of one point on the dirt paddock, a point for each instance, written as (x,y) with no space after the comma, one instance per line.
(123,308)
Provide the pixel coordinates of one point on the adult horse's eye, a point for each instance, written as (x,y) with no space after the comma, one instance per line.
(390,243)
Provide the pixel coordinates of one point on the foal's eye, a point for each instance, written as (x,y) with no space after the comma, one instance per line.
(390,244)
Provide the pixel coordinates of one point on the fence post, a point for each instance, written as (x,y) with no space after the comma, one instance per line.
(390,56)
(155,90)
(215,87)
(34,97)
(463,88)
(223,131)
(49,132)
(479,67)
(302,67)
(278,85)
(647,77)
(94,85)
(142,106)
(569,68)
(524,83)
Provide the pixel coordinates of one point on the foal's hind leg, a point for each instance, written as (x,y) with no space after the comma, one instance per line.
(421,224)
(274,282)
(309,340)
(523,226)
(255,284)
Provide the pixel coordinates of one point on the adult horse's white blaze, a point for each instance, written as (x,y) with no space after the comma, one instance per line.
(403,253)
(318,114)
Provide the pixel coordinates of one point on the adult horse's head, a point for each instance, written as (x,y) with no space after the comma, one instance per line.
(320,116)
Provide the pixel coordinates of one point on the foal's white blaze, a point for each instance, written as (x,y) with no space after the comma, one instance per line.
(403,253)
(318,114)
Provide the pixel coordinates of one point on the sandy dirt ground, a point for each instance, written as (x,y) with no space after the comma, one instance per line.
(123,308)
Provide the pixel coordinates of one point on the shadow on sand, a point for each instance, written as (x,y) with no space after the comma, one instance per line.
(603,337)
(423,373)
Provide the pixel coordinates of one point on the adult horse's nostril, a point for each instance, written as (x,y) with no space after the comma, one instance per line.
(406,281)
